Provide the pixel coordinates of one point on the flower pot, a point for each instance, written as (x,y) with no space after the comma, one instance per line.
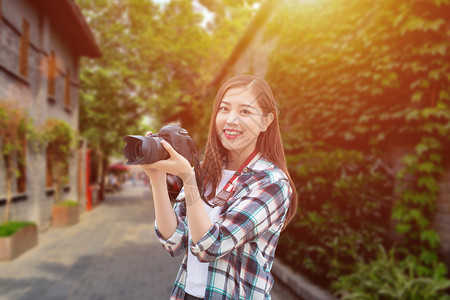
(20,242)
(64,216)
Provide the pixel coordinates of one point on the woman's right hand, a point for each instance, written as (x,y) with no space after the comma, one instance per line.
(151,172)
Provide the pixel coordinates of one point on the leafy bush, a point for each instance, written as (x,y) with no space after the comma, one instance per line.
(388,278)
(9,228)
(344,205)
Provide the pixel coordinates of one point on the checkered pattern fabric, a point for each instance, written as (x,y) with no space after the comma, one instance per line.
(240,246)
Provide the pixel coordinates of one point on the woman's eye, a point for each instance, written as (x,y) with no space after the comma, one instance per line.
(245,112)
(223,108)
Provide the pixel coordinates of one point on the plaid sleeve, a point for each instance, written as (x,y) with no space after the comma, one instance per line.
(262,204)
(177,243)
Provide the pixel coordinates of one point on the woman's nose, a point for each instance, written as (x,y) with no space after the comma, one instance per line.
(232,119)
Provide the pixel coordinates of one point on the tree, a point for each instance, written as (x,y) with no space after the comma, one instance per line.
(156,60)
(59,136)
(13,125)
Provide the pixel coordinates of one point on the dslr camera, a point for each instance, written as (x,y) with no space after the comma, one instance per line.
(141,150)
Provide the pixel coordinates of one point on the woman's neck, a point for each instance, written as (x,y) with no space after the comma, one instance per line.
(236,159)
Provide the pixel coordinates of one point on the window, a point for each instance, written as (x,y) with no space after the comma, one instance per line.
(66,172)
(21,179)
(67,89)
(51,74)
(24,46)
(63,168)
(49,172)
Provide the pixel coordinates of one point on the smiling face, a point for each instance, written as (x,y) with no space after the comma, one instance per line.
(239,122)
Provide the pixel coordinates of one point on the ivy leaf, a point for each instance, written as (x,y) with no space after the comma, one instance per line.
(430,236)
(444,95)
(439,2)
(403,228)
(416,97)
(428,182)
(421,148)
(428,257)
(410,159)
(413,115)
(435,157)
(427,167)
(434,75)
(348,136)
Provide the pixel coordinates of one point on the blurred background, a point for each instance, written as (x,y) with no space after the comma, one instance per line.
(363,91)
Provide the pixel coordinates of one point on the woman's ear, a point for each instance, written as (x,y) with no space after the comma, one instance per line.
(267,120)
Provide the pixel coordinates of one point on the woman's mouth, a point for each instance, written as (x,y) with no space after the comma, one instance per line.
(232,134)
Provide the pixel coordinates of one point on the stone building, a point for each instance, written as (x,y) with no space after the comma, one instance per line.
(41,46)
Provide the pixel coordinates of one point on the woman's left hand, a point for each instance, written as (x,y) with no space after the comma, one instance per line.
(176,164)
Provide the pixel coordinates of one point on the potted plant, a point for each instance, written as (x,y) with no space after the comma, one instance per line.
(65,213)
(60,137)
(15,237)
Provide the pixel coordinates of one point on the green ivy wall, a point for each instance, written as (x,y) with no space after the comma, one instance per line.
(360,82)
(364,94)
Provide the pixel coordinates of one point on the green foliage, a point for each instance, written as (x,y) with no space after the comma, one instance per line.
(367,76)
(389,277)
(350,72)
(344,205)
(68,203)
(157,58)
(60,138)
(13,125)
(416,205)
(9,228)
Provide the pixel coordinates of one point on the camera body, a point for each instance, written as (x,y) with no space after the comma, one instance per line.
(141,150)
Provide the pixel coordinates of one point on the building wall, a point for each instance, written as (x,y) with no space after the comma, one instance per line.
(31,93)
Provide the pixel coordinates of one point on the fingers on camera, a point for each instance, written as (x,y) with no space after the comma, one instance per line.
(148,133)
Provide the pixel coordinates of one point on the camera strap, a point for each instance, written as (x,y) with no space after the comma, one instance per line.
(225,194)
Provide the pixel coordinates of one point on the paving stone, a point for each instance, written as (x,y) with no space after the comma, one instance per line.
(112,253)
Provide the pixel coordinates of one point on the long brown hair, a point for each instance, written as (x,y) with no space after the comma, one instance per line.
(269,142)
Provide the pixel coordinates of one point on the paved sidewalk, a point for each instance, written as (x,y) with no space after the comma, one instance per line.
(112,253)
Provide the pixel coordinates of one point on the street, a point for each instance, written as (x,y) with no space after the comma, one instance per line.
(112,253)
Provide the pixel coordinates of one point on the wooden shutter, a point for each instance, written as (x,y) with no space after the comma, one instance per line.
(24,46)
(67,89)
(51,74)
(22,166)
(49,171)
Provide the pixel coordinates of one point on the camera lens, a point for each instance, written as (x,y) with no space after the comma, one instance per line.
(155,151)
(137,151)
(144,150)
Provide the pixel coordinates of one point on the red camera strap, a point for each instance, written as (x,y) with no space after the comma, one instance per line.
(225,194)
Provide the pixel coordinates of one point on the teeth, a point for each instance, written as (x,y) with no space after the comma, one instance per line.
(229,132)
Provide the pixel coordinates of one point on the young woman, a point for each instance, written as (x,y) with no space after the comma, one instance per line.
(228,241)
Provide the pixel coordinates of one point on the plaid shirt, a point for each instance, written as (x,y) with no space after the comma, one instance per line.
(240,246)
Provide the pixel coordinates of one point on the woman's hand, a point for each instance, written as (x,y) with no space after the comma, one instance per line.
(176,164)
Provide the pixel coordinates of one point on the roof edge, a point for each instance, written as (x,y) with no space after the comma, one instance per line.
(94,50)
